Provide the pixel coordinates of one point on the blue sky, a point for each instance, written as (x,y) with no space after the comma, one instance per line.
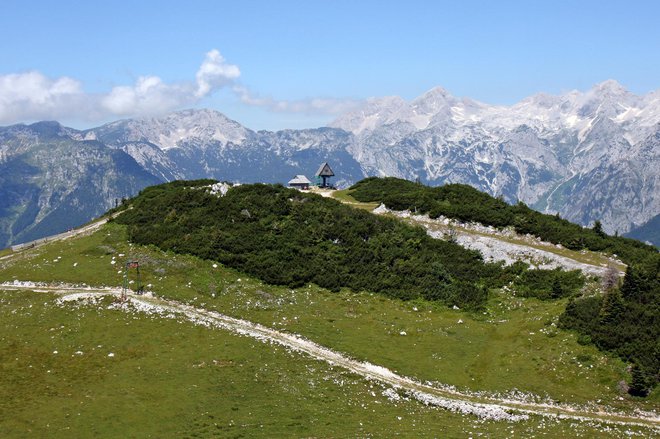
(293,64)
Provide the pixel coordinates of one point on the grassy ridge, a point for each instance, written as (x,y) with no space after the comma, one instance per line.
(288,238)
(166,384)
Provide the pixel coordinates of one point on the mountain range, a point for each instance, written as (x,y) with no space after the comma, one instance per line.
(587,156)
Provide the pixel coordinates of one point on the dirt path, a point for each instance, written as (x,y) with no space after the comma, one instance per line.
(435,395)
(89,228)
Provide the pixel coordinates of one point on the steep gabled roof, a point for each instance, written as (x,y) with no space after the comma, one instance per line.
(325,171)
(299,179)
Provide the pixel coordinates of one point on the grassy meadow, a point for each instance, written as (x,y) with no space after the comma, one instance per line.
(171,378)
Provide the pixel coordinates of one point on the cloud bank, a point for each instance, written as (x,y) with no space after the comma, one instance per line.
(33,96)
(309,106)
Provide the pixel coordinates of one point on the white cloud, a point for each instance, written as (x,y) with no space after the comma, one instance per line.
(328,106)
(32,96)
(215,73)
(149,95)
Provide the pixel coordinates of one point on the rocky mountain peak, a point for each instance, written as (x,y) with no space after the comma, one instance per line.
(48,128)
(436,94)
(610,88)
(175,129)
(433,101)
(607,99)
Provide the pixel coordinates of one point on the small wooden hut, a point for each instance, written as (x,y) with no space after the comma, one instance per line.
(300,182)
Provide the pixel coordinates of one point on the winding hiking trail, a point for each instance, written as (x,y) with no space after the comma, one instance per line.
(483,407)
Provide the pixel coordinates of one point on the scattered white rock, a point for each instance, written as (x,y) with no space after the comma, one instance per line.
(391,394)
(111,354)
(220,189)
(403,333)
(460,321)
(381,209)
(23,284)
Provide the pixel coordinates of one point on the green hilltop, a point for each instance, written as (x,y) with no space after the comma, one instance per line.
(171,378)
(286,237)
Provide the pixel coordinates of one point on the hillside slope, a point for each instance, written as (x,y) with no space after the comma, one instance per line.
(288,238)
(625,319)
(537,363)
(291,238)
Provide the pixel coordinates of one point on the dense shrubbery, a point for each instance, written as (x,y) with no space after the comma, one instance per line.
(289,238)
(548,284)
(468,204)
(625,321)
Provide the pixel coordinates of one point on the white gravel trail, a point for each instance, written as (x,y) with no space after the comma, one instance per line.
(435,395)
(494,246)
